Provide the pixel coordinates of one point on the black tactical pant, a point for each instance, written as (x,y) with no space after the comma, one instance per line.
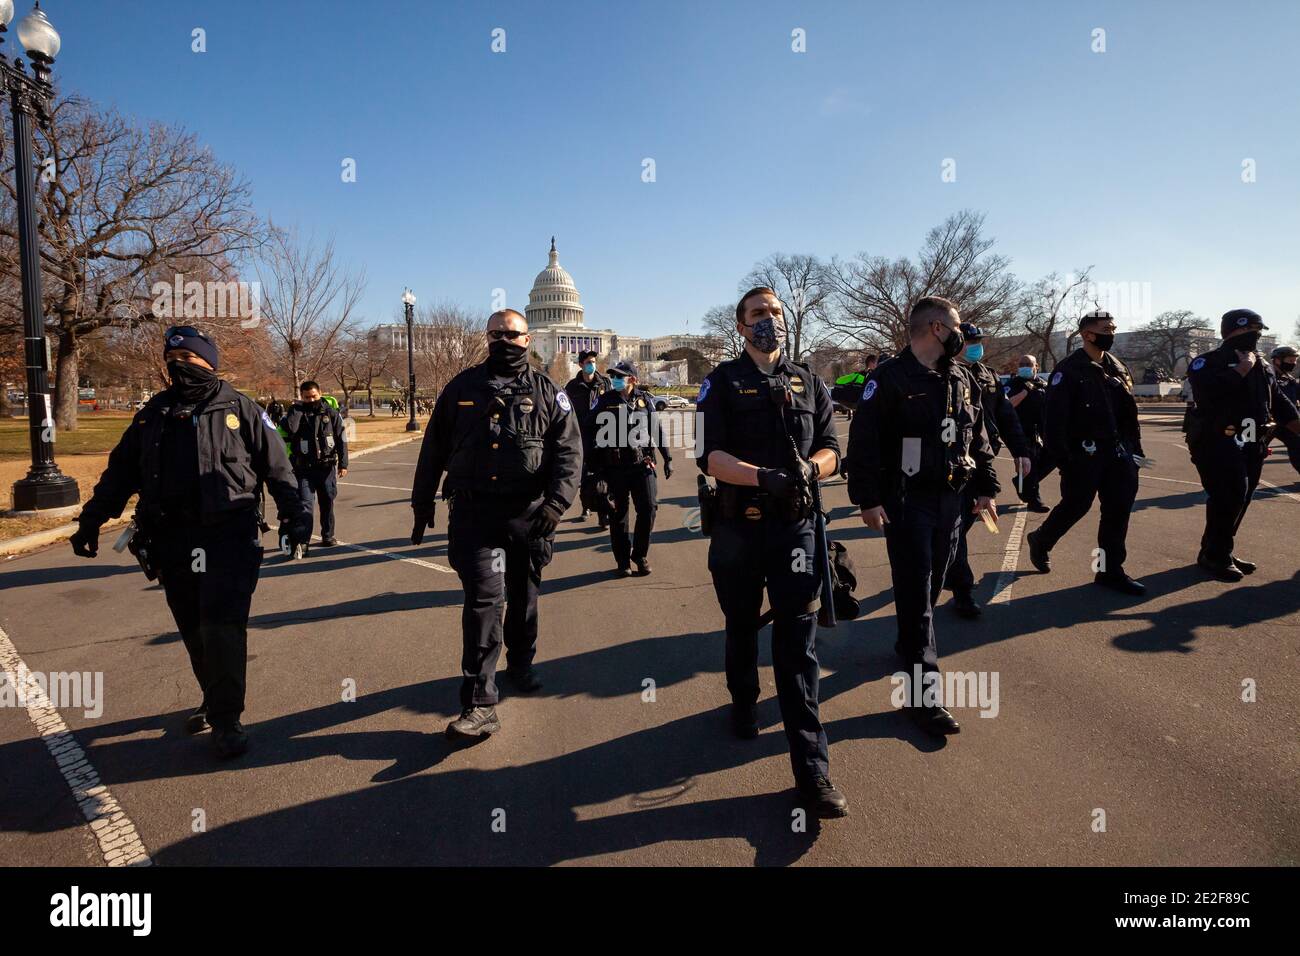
(960,578)
(1292,442)
(319,483)
(638,486)
(209,575)
(499,564)
(1229,473)
(1106,476)
(921,539)
(745,555)
(1043,465)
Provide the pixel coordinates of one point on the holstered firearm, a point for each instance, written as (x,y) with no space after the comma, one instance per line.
(139,541)
(708,496)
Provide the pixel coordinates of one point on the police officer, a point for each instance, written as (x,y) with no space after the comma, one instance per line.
(1000,420)
(507,439)
(1238,404)
(626,436)
(916,443)
(318,445)
(1027,394)
(749,409)
(196,454)
(584,389)
(1092,431)
(1284,362)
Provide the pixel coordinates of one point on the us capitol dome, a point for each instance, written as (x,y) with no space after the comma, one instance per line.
(556,319)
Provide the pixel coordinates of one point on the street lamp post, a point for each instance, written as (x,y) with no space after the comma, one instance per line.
(408,300)
(29,96)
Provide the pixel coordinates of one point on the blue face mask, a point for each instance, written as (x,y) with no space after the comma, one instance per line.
(1025,371)
(617,383)
(590,368)
(974,352)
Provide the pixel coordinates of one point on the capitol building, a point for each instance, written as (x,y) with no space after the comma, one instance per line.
(557,323)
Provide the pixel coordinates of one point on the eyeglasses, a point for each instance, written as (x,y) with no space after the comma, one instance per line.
(498,334)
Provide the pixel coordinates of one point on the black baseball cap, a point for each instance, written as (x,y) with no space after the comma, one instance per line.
(626,369)
(1240,319)
(971,332)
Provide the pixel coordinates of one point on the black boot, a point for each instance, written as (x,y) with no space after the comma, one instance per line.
(1228,572)
(965,605)
(744,720)
(230,741)
(1244,566)
(197,722)
(475,722)
(642,567)
(524,679)
(1039,555)
(934,720)
(1119,581)
(820,796)
(1036,506)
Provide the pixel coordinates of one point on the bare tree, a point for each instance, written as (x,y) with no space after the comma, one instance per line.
(872,294)
(120,207)
(365,361)
(720,327)
(1173,338)
(1052,306)
(307,300)
(448,339)
(800,283)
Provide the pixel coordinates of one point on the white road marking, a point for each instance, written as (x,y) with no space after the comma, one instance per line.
(394,557)
(357,484)
(1010,558)
(1280,493)
(119,842)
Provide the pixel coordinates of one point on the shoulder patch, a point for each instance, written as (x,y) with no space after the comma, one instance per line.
(704,391)
(869,390)
(562,400)
(1006,389)
(1198,364)
(1056,379)
(266,420)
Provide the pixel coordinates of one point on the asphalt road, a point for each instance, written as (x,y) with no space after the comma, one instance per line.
(1131,707)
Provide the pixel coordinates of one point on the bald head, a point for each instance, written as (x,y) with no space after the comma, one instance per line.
(508,319)
(1028,360)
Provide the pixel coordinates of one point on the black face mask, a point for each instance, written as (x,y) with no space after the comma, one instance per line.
(1246,342)
(1288,367)
(193,383)
(506,358)
(953,344)
(1103,340)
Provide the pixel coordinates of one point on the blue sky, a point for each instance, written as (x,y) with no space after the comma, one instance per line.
(468,161)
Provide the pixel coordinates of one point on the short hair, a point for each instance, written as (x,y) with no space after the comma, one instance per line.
(757,290)
(504,312)
(583,356)
(308,384)
(925,306)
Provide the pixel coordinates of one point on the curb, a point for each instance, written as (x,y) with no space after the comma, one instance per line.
(39,539)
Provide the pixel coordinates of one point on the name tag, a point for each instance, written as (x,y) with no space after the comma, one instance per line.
(465,403)
(911,457)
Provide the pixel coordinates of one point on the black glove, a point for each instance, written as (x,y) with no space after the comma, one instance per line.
(298,529)
(668,469)
(787,482)
(546,521)
(423,519)
(85,540)
(601,488)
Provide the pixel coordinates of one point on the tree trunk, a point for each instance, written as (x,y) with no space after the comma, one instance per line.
(370,398)
(65,383)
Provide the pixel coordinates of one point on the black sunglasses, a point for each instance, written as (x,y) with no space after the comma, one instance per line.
(511,334)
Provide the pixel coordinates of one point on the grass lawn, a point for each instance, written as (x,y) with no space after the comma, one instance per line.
(83,455)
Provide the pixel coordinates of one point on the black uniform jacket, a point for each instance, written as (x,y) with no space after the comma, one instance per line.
(238,447)
(519,440)
(1226,403)
(1032,408)
(625,430)
(1001,423)
(316,437)
(1091,405)
(904,399)
(736,412)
